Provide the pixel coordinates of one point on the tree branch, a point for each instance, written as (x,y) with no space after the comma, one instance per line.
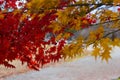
(86,4)
(105,36)
(81,4)
(111,33)
(104,22)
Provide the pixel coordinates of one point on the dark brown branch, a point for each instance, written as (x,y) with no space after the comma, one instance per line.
(104,22)
(81,4)
(111,33)
(105,36)
(86,4)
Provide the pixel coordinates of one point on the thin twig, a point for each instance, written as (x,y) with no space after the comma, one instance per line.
(111,33)
(105,36)
(80,4)
(86,4)
(104,22)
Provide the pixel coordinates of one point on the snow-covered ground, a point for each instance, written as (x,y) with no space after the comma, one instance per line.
(82,69)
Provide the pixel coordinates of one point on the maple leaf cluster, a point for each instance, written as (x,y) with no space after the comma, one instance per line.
(22,37)
(37,32)
(24,40)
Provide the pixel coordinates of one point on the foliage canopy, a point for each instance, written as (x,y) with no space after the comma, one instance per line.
(37,31)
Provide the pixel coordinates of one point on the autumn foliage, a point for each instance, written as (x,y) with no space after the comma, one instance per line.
(36,31)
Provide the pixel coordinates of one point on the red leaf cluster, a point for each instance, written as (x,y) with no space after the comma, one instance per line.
(24,40)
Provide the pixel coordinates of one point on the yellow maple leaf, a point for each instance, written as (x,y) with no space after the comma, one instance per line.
(63,17)
(116,42)
(105,43)
(35,5)
(56,28)
(76,24)
(106,55)
(24,16)
(96,52)
(65,51)
(79,51)
(58,37)
(114,15)
(92,37)
(66,35)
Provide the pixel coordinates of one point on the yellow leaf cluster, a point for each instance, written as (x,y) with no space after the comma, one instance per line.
(102,49)
(106,55)
(36,5)
(55,26)
(96,52)
(104,43)
(108,14)
(114,15)
(116,42)
(106,48)
(59,36)
(76,24)
(116,25)
(91,37)
(116,2)
(95,35)
(24,16)
(64,16)
(66,35)
(72,50)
